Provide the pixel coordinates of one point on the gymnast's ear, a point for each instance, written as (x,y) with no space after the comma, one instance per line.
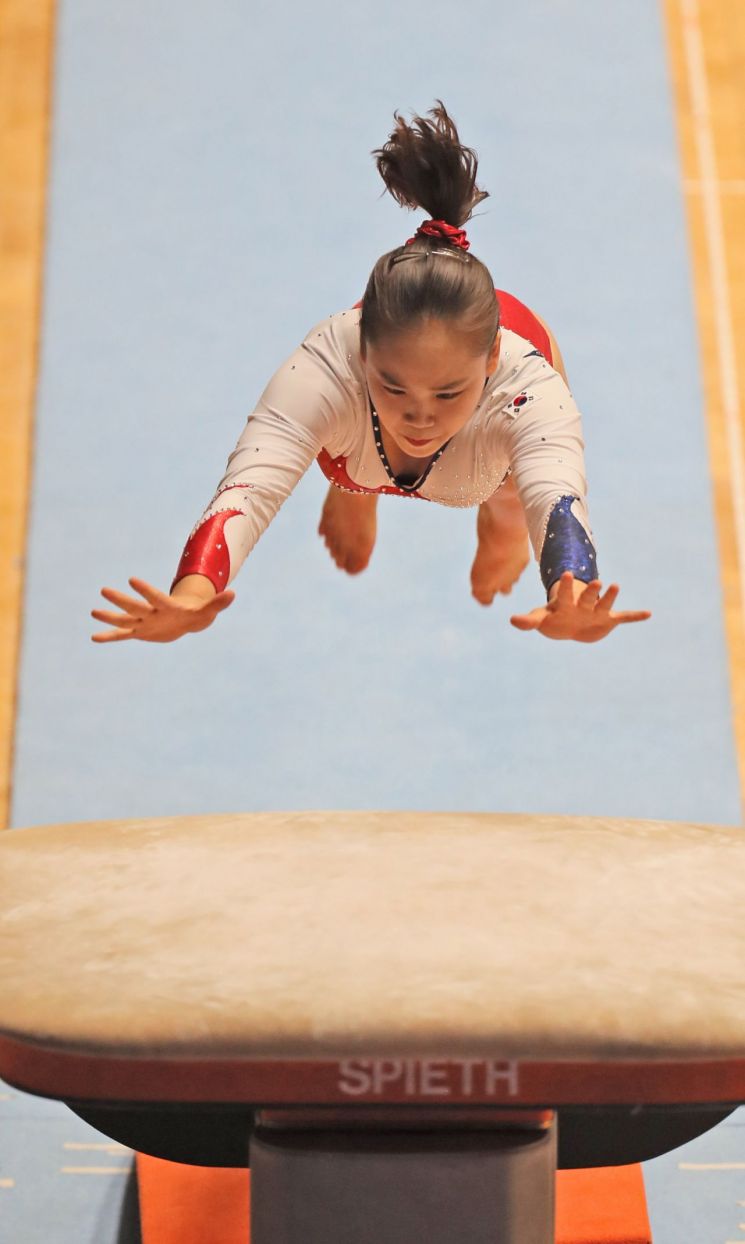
(493,355)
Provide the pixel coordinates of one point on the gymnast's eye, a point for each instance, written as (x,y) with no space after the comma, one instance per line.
(396,392)
(448,397)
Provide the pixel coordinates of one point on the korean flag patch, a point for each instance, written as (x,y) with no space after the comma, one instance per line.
(518,404)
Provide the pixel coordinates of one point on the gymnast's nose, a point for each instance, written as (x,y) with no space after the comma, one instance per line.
(418,421)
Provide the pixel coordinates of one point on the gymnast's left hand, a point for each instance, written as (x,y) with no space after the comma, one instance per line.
(577,610)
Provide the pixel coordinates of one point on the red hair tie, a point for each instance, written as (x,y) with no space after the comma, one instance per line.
(440,229)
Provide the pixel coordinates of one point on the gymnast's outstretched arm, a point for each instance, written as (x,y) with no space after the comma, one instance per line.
(297,413)
(545,446)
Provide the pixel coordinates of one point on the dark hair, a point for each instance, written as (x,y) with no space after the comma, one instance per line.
(424,164)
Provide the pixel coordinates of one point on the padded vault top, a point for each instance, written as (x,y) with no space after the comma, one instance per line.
(374,956)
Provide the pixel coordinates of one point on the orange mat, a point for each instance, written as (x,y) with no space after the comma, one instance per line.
(207,1205)
(602,1205)
(192,1204)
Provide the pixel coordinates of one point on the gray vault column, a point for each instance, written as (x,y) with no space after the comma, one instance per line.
(364,1186)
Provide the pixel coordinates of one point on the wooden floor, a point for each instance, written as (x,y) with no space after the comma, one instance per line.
(26,35)
(706,40)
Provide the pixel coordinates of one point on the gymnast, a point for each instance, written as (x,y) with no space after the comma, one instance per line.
(435,387)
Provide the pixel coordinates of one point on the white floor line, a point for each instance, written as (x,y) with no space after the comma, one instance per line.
(727,357)
(692,186)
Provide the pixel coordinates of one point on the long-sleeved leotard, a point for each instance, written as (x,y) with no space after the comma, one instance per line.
(317,406)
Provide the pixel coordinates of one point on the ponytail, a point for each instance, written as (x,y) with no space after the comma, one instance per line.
(424,164)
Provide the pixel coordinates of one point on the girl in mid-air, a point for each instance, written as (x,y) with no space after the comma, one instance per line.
(435,386)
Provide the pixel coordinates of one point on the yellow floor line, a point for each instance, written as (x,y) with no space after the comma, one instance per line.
(706,44)
(26,41)
(711,1166)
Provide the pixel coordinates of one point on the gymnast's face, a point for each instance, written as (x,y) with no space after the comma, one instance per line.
(425,384)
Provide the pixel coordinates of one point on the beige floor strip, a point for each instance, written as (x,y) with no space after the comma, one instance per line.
(706,41)
(26,41)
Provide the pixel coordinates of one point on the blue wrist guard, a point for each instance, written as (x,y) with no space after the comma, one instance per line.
(567,547)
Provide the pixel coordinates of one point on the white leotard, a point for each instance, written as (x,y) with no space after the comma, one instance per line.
(317,406)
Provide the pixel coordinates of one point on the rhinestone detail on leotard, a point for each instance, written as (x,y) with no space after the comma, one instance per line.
(386,464)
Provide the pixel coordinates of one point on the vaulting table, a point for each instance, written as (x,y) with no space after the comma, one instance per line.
(401,1021)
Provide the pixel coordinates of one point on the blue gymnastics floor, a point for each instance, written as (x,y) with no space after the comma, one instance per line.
(212,196)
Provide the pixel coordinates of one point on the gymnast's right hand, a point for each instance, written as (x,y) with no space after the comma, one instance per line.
(159,618)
